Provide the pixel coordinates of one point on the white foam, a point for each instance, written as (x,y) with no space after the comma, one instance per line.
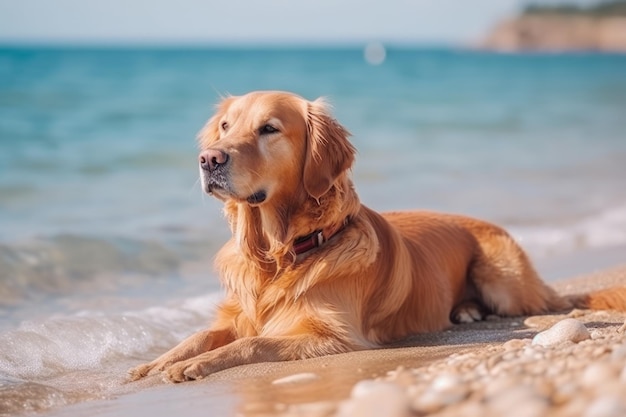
(604,229)
(87,339)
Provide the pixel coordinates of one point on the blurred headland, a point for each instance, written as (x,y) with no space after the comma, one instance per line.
(563,28)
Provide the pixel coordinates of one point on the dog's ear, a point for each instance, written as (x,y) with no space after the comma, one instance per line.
(328,154)
(211,130)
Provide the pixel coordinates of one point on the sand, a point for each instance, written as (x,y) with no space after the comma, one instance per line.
(491,368)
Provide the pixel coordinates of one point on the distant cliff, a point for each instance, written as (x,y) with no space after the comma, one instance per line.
(563,28)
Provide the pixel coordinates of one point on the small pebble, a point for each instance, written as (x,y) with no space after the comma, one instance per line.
(600,351)
(374,399)
(567,330)
(445,382)
(319,408)
(494,386)
(518,401)
(539,322)
(605,407)
(433,400)
(576,313)
(619,353)
(596,374)
(514,344)
(564,392)
(296,378)
(532,352)
(401,376)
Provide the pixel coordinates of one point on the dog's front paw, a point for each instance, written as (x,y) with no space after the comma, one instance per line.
(140,371)
(146,369)
(185,371)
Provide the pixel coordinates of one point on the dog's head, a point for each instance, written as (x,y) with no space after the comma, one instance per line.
(268,146)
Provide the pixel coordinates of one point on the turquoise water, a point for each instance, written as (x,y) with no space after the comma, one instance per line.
(106,236)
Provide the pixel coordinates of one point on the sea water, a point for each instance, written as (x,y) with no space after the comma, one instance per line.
(106,240)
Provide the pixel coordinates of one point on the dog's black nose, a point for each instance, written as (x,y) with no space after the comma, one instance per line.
(212,158)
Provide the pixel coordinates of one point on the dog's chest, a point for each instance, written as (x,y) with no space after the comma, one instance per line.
(271,311)
(270,305)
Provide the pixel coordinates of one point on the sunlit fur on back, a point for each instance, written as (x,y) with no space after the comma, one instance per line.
(281,165)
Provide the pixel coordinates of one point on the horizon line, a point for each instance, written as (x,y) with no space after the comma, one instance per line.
(222,44)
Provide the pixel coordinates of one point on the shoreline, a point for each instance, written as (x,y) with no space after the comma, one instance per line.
(580,263)
(330,385)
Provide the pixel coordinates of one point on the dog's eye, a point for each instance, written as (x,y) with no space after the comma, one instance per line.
(224,126)
(267,129)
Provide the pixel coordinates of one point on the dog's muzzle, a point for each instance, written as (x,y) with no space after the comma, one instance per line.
(213,170)
(214,173)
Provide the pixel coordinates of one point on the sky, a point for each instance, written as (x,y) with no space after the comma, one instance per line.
(162,22)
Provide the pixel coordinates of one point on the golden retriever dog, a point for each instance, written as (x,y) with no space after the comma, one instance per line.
(310,271)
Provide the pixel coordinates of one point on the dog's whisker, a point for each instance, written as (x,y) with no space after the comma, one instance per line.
(195,184)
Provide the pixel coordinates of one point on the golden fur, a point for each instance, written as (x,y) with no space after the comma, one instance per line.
(281,165)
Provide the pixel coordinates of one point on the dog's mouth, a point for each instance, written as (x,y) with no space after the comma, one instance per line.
(215,185)
(212,189)
(219,188)
(223,193)
(257,198)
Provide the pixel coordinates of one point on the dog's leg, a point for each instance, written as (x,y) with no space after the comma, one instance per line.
(194,345)
(249,350)
(507,283)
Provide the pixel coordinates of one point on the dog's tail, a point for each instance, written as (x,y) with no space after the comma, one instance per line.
(606,299)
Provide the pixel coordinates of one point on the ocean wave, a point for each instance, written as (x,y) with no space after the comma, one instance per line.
(64,359)
(85,340)
(26,397)
(68,264)
(603,229)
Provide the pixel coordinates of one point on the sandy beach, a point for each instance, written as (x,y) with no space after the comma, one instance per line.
(492,368)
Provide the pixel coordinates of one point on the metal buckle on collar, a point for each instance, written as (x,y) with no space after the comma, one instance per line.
(320,238)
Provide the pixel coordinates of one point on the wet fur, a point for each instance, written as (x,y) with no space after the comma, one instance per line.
(382,278)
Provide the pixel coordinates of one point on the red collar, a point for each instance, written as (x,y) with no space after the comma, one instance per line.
(318,238)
